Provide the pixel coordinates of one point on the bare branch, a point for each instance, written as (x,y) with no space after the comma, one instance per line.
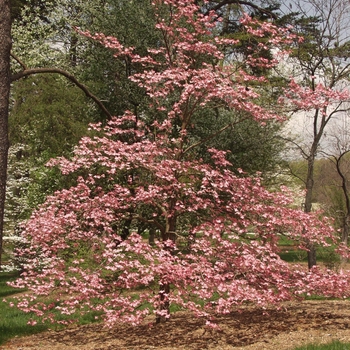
(304,154)
(296,175)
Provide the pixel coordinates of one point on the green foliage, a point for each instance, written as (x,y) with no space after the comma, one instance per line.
(251,146)
(109,76)
(48,116)
(326,255)
(298,169)
(329,257)
(293,255)
(308,28)
(17,7)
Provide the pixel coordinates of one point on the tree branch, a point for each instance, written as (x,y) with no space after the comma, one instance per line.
(16,58)
(293,173)
(241,2)
(287,139)
(209,137)
(32,71)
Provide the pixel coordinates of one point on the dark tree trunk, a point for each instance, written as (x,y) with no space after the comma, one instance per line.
(152,236)
(5,49)
(311,254)
(164,290)
(73,50)
(345,233)
(345,189)
(164,287)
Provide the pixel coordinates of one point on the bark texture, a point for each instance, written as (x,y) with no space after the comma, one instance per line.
(5,48)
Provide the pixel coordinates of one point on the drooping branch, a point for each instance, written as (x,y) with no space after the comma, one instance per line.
(32,71)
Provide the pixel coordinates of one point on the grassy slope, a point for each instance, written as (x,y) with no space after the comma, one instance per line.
(13,322)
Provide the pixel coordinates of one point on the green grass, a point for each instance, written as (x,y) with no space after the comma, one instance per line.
(295,256)
(335,345)
(289,252)
(325,255)
(285,241)
(14,322)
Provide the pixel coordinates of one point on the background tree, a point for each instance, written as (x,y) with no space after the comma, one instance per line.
(6,33)
(44,114)
(338,194)
(343,172)
(5,38)
(319,65)
(251,146)
(44,123)
(243,138)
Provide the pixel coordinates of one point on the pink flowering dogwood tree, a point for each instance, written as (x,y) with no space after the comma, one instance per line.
(83,249)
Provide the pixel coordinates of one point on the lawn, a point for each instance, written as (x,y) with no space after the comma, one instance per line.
(335,345)
(13,322)
(249,326)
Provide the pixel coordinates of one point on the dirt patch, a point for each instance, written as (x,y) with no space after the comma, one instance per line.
(250,329)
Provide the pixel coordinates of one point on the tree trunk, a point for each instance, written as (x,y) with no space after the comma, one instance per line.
(345,235)
(5,49)
(164,287)
(152,236)
(345,189)
(311,254)
(164,306)
(73,49)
